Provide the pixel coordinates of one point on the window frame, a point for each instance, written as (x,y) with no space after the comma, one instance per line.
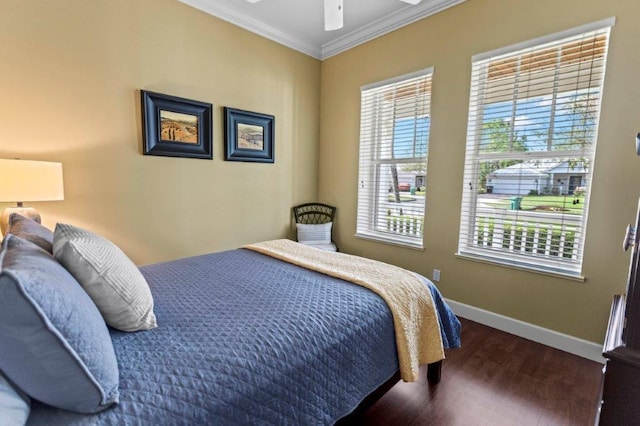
(468,246)
(370,165)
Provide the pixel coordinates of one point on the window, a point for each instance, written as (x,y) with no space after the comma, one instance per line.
(394,140)
(531,138)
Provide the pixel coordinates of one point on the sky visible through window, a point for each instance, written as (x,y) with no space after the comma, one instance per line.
(533,118)
(405,132)
(531,123)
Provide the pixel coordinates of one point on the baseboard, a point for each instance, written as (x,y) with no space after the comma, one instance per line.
(547,337)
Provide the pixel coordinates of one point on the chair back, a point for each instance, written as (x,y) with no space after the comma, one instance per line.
(314,213)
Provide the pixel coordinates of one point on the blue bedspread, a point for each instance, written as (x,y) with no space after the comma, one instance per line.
(243,338)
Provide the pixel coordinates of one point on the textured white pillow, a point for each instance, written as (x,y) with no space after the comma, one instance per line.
(314,234)
(111,279)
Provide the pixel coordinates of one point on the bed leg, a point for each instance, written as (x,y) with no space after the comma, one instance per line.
(434,372)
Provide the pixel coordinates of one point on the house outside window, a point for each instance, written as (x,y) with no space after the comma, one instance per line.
(531,139)
(394,140)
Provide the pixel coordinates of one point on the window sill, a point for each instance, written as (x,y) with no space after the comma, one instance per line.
(505,264)
(396,241)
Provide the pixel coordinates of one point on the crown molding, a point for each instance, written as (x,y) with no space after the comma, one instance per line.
(362,35)
(392,22)
(235,17)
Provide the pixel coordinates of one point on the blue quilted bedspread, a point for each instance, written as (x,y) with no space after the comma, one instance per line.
(243,338)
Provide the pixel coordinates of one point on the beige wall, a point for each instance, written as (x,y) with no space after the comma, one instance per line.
(446,42)
(69,91)
(70,75)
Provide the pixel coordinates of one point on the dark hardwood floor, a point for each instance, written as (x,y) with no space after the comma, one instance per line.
(495,379)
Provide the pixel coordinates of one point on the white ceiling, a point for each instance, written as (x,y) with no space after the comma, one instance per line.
(299,24)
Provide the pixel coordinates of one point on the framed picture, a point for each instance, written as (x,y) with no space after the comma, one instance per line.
(176,127)
(248,136)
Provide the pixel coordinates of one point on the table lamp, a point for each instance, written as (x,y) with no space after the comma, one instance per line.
(24,180)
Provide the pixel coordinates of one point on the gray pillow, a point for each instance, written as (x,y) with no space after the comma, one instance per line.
(15,405)
(112,280)
(31,230)
(55,345)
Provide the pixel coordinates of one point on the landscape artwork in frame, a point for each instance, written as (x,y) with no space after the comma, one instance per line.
(249,136)
(176,127)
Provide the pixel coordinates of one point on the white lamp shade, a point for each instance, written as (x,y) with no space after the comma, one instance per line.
(24,180)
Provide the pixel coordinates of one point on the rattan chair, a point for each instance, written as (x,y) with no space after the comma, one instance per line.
(316,214)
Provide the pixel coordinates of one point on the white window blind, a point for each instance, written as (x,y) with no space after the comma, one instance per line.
(394,139)
(531,138)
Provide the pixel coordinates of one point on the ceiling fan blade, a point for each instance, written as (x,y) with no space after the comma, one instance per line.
(413,2)
(332,15)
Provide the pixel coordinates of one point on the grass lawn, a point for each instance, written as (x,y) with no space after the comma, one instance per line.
(542,203)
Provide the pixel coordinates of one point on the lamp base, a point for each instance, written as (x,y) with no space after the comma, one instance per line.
(29,212)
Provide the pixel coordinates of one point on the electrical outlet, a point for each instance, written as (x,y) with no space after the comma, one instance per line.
(436,275)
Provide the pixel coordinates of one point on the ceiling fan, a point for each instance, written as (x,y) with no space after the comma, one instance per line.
(333,12)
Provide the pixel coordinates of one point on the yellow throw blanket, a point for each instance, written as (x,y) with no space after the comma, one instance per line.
(414,315)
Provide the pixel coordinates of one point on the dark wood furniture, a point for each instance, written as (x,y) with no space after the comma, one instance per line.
(620,396)
(314,213)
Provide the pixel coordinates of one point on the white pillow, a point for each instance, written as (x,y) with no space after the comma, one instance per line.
(314,234)
(111,279)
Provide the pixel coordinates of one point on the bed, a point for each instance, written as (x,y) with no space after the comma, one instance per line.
(244,338)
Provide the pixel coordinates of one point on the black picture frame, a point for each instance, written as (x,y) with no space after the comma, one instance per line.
(249,136)
(176,127)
